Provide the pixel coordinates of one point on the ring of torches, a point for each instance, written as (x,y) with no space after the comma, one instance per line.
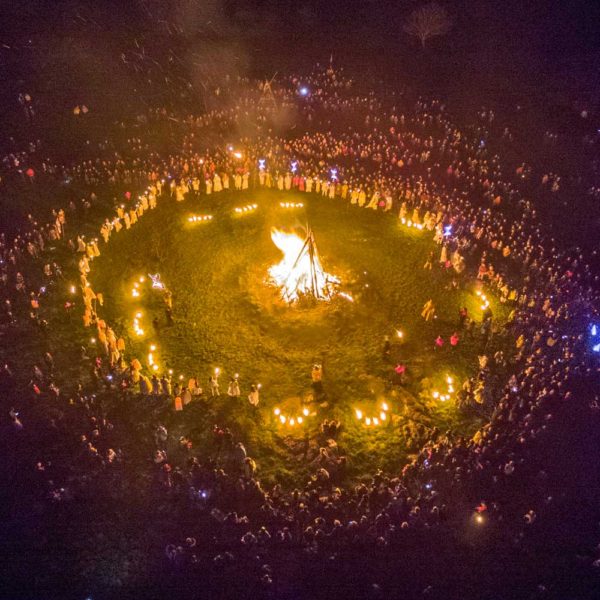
(240,210)
(292,420)
(199,218)
(437,395)
(483,297)
(409,223)
(370,419)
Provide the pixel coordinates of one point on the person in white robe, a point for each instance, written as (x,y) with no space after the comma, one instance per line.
(388,202)
(374,202)
(217,184)
(444,255)
(253,396)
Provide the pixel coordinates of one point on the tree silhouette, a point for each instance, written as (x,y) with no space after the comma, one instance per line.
(427,22)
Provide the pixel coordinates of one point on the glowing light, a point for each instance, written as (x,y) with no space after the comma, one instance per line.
(376,419)
(346,296)
(142,279)
(304,91)
(334,174)
(594,330)
(291,204)
(296,274)
(294,166)
(93,340)
(240,210)
(447,230)
(596,348)
(237,154)
(399,333)
(291,419)
(261,164)
(72,289)
(157,284)
(199,218)
(136,324)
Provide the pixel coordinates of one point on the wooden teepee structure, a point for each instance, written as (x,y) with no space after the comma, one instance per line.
(309,248)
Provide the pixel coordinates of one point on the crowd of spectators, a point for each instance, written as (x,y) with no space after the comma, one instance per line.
(386,152)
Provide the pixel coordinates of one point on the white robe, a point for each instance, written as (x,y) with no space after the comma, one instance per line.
(374,201)
(218,186)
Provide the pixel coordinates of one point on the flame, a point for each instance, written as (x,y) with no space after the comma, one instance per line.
(295,274)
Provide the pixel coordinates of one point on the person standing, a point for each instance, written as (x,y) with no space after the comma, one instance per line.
(213,384)
(428,311)
(429,262)
(233,389)
(253,395)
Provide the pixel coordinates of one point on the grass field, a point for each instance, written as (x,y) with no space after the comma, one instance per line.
(227,316)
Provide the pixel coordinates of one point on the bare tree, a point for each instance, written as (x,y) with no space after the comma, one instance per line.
(427,22)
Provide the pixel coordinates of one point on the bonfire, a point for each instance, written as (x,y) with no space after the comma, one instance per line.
(300,273)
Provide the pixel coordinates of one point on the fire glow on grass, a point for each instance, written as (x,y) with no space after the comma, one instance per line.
(300,272)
